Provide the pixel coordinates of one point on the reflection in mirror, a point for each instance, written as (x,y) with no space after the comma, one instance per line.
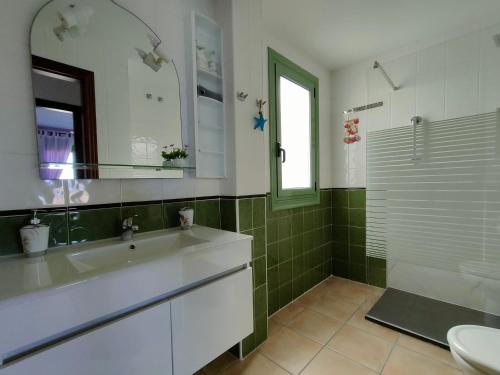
(106,93)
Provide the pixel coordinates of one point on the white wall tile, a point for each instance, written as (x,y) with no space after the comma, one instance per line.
(489,78)
(141,190)
(85,192)
(462,76)
(21,186)
(430,82)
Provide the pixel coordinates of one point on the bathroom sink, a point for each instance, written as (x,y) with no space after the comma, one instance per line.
(114,275)
(141,250)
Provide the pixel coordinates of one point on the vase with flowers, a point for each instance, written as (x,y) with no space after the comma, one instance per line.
(175,156)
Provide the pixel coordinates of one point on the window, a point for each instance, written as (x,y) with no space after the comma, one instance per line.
(294,148)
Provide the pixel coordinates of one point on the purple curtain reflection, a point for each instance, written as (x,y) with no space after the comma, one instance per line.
(54,147)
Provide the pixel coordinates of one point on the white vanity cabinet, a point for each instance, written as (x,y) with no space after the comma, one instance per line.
(137,344)
(209,320)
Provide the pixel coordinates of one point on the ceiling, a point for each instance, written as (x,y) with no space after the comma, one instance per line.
(339,32)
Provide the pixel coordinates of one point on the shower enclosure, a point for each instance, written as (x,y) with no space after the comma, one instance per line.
(433,212)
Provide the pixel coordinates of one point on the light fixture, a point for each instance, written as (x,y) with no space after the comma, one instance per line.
(155,58)
(74,20)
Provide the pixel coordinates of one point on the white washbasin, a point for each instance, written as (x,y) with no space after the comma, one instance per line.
(141,250)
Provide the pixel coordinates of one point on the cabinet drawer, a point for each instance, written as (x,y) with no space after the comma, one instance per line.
(136,345)
(209,320)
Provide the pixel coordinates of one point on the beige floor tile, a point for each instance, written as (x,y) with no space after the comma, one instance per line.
(290,350)
(358,320)
(316,326)
(353,292)
(328,362)
(405,362)
(218,364)
(425,348)
(335,307)
(255,364)
(361,346)
(287,314)
(272,327)
(309,298)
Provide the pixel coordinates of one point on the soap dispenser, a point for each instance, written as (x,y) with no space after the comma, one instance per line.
(35,237)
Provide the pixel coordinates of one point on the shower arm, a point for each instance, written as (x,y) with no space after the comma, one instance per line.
(377,65)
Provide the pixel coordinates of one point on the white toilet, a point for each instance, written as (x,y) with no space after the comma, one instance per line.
(476,349)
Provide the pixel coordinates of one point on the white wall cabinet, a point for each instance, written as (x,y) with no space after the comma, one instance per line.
(209,320)
(137,344)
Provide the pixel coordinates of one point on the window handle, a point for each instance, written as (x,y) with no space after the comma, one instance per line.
(281,153)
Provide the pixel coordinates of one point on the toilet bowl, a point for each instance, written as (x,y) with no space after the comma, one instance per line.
(476,349)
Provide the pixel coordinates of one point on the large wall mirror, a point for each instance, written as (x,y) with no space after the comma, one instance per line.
(106,93)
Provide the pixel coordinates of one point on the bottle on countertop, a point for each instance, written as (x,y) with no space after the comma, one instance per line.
(35,237)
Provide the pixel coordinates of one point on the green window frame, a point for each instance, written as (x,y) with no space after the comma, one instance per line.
(279,66)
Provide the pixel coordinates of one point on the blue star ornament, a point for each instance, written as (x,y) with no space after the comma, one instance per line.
(260,122)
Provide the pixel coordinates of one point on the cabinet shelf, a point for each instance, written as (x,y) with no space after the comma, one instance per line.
(208,74)
(212,128)
(209,113)
(211,152)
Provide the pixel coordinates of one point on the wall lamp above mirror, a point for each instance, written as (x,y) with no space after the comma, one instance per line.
(96,68)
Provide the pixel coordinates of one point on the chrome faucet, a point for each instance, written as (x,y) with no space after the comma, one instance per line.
(129,228)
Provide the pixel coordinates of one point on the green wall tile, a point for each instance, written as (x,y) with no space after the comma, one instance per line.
(357,198)
(260,329)
(357,217)
(273,300)
(259,242)
(259,212)
(341,268)
(340,198)
(10,240)
(285,272)
(357,272)
(272,255)
(273,281)
(285,250)
(272,230)
(245,214)
(284,227)
(341,234)
(171,212)
(58,222)
(357,254)
(259,271)
(357,236)
(260,301)
(326,198)
(285,295)
(340,216)
(297,223)
(149,217)
(228,214)
(94,224)
(297,245)
(207,213)
(248,345)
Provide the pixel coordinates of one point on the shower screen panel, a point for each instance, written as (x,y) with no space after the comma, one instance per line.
(433,209)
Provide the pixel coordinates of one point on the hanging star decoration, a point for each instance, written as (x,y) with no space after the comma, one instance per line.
(260,121)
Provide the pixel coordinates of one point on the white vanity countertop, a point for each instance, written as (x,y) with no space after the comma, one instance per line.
(45,297)
(70,265)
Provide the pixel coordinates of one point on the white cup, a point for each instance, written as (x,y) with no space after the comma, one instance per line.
(186,216)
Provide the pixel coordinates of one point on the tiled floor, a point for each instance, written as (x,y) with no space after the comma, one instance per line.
(324,333)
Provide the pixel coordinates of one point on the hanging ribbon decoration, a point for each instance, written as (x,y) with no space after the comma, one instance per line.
(351,131)
(260,121)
